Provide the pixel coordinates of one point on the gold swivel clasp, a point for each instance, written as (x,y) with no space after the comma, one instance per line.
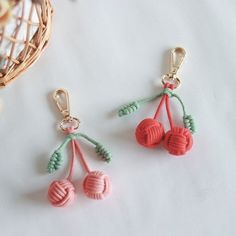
(61,98)
(176,60)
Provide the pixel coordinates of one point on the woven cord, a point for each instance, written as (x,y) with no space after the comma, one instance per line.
(187,119)
(166,94)
(81,156)
(134,106)
(72,160)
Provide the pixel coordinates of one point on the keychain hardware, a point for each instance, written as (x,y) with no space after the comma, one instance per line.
(96,184)
(150,132)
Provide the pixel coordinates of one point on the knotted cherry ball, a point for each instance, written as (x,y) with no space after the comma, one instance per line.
(149,133)
(96,185)
(178,141)
(61,193)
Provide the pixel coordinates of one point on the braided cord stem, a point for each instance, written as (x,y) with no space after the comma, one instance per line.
(158,111)
(56,159)
(134,106)
(167,99)
(93,141)
(99,148)
(166,93)
(72,160)
(181,102)
(81,156)
(66,141)
(187,119)
(149,99)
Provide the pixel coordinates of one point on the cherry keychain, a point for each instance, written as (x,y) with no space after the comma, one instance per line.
(96,184)
(150,132)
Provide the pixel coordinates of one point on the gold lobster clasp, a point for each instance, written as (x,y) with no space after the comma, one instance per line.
(176,60)
(61,98)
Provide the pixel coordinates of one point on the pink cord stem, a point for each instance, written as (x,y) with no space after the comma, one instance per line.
(159,107)
(165,99)
(72,160)
(81,156)
(169,112)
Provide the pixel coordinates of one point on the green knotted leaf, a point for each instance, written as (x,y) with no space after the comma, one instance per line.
(189,123)
(55,162)
(128,109)
(103,152)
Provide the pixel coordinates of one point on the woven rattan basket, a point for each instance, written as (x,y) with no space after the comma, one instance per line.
(24,37)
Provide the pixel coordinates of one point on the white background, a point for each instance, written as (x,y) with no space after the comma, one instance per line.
(106,53)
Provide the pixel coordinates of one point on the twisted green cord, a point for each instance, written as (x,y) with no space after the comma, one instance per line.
(189,123)
(99,148)
(55,162)
(134,106)
(56,159)
(187,119)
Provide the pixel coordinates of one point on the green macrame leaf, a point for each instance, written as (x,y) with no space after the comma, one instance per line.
(128,109)
(189,123)
(55,162)
(103,152)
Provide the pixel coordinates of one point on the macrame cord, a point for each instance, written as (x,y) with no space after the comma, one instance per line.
(150,132)
(96,184)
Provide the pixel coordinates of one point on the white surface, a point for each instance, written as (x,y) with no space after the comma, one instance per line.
(107,53)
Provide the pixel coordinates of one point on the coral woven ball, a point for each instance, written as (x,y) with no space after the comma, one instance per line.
(96,185)
(178,141)
(61,193)
(149,133)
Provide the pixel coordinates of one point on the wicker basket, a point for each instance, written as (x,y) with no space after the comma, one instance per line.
(24,38)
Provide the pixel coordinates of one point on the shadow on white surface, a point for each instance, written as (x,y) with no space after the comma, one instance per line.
(38,197)
(41,164)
